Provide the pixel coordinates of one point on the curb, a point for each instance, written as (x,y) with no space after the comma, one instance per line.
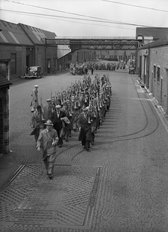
(155,102)
(161,112)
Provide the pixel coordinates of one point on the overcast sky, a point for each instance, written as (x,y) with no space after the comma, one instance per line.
(87,17)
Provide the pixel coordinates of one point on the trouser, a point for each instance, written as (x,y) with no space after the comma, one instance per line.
(49,161)
(92,138)
(60,141)
(85,138)
(36,132)
(67,133)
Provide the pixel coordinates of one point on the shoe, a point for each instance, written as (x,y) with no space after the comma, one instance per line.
(86,148)
(50,176)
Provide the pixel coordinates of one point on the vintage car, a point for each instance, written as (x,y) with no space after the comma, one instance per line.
(33,72)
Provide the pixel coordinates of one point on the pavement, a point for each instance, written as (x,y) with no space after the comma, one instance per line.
(9,165)
(32,202)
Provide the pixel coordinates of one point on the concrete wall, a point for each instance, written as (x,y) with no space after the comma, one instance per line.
(143,66)
(50,55)
(81,56)
(40,55)
(46,57)
(157,59)
(5,53)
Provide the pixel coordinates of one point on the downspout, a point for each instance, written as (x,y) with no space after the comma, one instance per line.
(45,56)
(148,68)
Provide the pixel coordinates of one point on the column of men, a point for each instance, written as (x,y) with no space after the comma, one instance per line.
(82,107)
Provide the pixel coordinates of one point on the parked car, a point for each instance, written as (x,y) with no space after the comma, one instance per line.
(33,72)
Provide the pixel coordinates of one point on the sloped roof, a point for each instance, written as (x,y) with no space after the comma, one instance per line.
(36,35)
(4,82)
(11,33)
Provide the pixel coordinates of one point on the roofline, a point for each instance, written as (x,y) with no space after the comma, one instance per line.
(12,44)
(22,24)
(153,27)
(154,45)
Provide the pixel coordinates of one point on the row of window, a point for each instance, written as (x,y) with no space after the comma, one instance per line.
(156,72)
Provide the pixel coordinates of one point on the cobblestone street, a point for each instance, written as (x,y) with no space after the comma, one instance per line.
(119,186)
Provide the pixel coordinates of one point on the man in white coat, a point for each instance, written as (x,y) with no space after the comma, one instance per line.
(46,142)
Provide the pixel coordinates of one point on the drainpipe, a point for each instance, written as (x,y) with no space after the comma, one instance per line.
(149,61)
(45,57)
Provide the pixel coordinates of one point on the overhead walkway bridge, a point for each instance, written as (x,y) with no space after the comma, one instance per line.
(95,43)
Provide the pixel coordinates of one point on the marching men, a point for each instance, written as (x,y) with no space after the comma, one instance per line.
(82,108)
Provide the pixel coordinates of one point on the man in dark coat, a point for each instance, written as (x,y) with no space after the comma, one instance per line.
(48,110)
(85,129)
(56,118)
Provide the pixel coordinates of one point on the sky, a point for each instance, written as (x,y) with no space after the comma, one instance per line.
(91,18)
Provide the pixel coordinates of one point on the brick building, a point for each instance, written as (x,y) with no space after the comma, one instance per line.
(14,45)
(26,46)
(152,64)
(44,51)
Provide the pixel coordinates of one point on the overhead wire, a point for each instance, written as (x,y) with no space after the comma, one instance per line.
(74,18)
(95,23)
(137,6)
(60,11)
(72,13)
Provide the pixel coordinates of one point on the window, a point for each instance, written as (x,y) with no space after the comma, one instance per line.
(158,73)
(13,63)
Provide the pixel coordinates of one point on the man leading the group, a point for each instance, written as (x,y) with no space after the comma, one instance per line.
(46,142)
